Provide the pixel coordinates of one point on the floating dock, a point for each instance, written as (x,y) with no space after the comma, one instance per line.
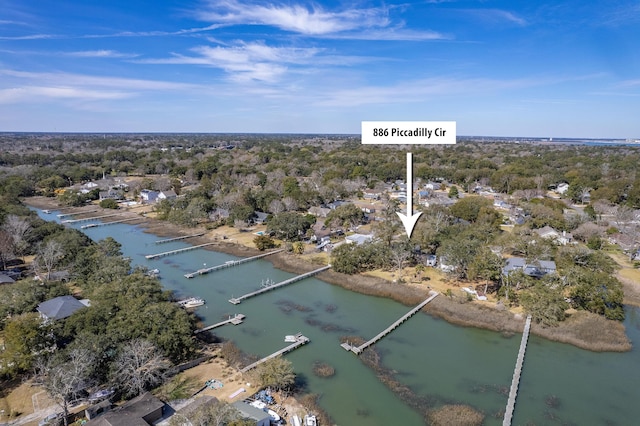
(358,349)
(515,381)
(235,320)
(95,225)
(87,219)
(229,264)
(168,240)
(237,300)
(300,340)
(182,250)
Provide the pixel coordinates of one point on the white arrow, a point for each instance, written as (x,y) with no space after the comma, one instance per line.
(409,221)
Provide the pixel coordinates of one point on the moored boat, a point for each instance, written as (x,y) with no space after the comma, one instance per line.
(192,302)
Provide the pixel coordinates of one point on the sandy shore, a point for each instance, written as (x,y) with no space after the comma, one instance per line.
(581,329)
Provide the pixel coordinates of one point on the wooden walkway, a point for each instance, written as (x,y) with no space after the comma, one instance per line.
(229,264)
(235,320)
(87,219)
(95,225)
(168,240)
(237,300)
(182,250)
(513,392)
(300,340)
(358,349)
(76,213)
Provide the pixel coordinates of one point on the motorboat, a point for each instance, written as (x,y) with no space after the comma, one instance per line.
(310,420)
(192,302)
(292,338)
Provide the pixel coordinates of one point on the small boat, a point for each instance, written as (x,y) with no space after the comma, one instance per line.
(154,273)
(192,302)
(310,420)
(46,211)
(292,338)
(296,421)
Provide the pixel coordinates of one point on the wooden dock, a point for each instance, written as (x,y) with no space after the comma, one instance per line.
(95,225)
(235,320)
(182,250)
(87,219)
(237,300)
(515,381)
(300,340)
(229,264)
(184,237)
(61,215)
(358,349)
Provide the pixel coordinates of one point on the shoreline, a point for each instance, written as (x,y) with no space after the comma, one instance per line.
(602,335)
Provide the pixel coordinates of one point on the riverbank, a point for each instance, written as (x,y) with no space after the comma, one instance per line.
(581,329)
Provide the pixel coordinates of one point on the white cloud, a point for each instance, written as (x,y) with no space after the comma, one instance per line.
(28,93)
(20,86)
(100,54)
(246,61)
(494,16)
(357,23)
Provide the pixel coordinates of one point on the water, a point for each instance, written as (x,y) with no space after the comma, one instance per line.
(560,384)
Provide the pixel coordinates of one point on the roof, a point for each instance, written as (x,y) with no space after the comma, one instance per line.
(6,279)
(533,269)
(359,238)
(250,411)
(131,413)
(60,307)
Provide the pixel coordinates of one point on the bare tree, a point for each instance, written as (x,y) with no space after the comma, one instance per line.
(49,255)
(399,254)
(139,366)
(6,248)
(18,229)
(66,376)
(276,206)
(290,204)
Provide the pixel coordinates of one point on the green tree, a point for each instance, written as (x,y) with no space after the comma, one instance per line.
(276,372)
(264,242)
(545,303)
(290,226)
(468,208)
(109,203)
(453,192)
(345,215)
(24,337)
(597,292)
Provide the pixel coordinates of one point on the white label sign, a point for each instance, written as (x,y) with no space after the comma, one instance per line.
(409,132)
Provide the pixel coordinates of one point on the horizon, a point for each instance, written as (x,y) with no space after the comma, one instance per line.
(554,69)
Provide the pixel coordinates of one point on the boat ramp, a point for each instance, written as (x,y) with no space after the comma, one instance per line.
(300,340)
(182,250)
(237,300)
(358,349)
(229,264)
(513,392)
(235,320)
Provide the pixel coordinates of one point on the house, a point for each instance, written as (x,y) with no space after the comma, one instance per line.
(445,266)
(148,196)
(562,188)
(535,269)
(319,211)
(260,217)
(431,260)
(434,186)
(111,194)
(167,195)
(549,233)
(358,239)
(142,410)
(371,194)
(250,412)
(60,308)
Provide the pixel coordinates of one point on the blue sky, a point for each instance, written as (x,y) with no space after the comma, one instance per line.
(497,68)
